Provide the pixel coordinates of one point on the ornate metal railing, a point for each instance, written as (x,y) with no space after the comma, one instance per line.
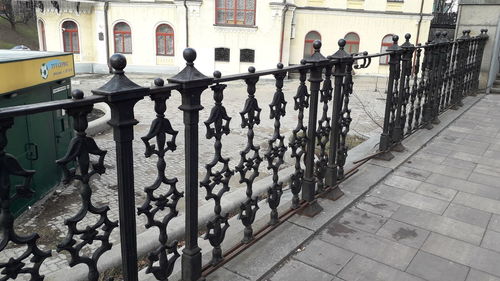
(426,80)
(429,78)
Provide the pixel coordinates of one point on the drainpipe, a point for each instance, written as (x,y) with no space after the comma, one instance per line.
(420,21)
(459,14)
(106,31)
(187,24)
(282,39)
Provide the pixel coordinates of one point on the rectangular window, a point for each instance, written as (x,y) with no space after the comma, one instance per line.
(222,54)
(247,55)
(235,12)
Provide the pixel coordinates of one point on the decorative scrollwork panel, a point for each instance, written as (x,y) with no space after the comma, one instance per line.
(323,130)
(277,148)
(299,138)
(162,195)
(217,125)
(250,159)
(79,151)
(29,262)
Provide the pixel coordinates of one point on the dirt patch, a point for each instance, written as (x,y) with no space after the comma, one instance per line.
(25,34)
(403,233)
(338,229)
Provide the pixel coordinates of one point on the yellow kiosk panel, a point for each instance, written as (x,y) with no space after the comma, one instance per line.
(22,69)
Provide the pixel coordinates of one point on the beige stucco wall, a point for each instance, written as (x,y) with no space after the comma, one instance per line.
(412,6)
(265,37)
(143,30)
(371,28)
(86,32)
(478,16)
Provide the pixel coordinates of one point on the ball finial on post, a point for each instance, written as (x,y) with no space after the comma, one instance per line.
(77,94)
(317,45)
(407,37)
(118,62)
(217,74)
(251,69)
(159,82)
(341,43)
(395,39)
(189,55)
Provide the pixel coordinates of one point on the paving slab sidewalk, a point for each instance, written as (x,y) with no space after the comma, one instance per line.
(436,217)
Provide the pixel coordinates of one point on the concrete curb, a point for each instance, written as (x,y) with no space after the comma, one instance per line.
(354,188)
(100,124)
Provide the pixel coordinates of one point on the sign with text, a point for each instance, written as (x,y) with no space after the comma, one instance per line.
(20,74)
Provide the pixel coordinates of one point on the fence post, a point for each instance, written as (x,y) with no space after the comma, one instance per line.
(386,140)
(122,95)
(193,83)
(426,75)
(309,182)
(458,73)
(468,74)
(436,76)
(463,53)
(402,99)
(331,176)
(448,62)
(483,37)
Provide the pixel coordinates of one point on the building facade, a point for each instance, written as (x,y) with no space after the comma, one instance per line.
(229,35)
(477,14)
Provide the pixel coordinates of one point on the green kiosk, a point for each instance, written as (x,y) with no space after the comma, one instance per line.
(38,140)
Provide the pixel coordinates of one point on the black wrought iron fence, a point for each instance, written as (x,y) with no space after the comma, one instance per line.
(423,81)
(426,80)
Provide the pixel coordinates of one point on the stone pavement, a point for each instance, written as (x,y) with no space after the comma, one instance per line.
(436,217)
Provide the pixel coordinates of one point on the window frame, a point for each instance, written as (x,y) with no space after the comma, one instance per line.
(352,42)
(311,41)
(41,28)
(70,32)
(235,10)
(385,44)
(166,35)
(122,35)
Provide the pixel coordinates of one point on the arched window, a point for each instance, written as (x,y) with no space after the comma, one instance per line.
(352,42)
(311,36)
(386,43)
(41,34)
(235,12)
(164,40)
(123,38)
(70,37)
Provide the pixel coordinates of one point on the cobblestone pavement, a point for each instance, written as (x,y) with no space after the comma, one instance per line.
(47,219)
(436,218)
